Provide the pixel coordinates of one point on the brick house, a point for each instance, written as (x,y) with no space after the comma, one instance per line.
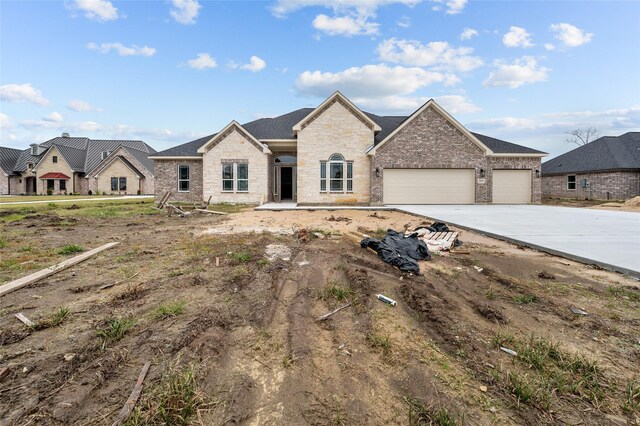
(338,154)
(607,168)
(65,165)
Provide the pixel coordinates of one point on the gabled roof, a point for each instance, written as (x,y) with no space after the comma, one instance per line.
(282,128)
(8,159)
(80,153)
(229,128)
(607,153)
(54,175)
(336,97)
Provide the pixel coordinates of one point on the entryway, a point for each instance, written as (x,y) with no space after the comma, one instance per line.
(284,178)
(286,183)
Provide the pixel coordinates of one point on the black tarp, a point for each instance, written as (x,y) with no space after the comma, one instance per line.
(398,250)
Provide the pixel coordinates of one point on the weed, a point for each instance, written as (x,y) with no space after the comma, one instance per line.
(52,206)
(263,262)
(524,299)
(174,274)
(115,330)
(490,293)
(240,256)
(503,337)
(378,341)
(70,249)
(337,292)
(520,387)
(420,414)
(53,320)
(287,360)
(172,402)
(631,402)
(624,293)
(170,309)
(25,249)
(3,243)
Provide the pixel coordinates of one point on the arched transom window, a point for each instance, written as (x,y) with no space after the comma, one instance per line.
(336,174)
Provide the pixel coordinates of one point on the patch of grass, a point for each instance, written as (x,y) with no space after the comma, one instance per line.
(25,249)
(520,387)
(52,206)
(421,414)
(337,292)
(170,309)
(378,341)
(624,293)
(174,274)
(379,233)
(3,243)
(263,262)
(525,299)
(115,330)
(503,338)
(240,256)
(174,401)
(70,249)
(53,320)
(287,360)
(490,293)
(631,403)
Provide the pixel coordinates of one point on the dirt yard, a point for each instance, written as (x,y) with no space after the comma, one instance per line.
(225,309)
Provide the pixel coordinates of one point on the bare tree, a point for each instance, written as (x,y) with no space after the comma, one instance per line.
(582,136)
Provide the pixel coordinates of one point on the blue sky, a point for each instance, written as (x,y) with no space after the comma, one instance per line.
(169,71)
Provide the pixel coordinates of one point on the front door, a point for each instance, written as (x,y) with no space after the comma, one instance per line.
(286,183)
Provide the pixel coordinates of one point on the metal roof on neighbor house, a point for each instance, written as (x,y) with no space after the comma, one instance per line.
(96,147)
(74,157)
(607,153)
(8,159)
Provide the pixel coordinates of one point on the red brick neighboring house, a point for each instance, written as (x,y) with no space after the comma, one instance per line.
(606,169)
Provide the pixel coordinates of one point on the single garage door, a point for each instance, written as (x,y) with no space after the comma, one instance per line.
(429,186)
(512,186)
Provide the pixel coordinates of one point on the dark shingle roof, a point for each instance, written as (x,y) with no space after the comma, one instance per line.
(606,153)
(8,159)
(281,127)
(499,146)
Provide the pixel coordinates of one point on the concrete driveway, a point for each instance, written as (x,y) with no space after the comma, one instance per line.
(609,239)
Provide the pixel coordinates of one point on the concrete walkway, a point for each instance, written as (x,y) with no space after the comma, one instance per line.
(76,199)
(609,239)
(294,206)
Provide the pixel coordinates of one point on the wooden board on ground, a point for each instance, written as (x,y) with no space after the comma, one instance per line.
(37,276)
(126,410)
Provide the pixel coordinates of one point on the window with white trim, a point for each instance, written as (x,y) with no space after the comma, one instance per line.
(336,174)
(235,177)
(571,182)
(184,180)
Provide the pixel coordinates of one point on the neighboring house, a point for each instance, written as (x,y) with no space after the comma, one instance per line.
(338,154)
(607,168)
(66,165)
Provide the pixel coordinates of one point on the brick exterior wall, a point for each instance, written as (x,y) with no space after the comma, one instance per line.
(166,179)
(619,185)
(4,184)
(432,141)
(235,147)
(116,169)
(46,165)
(519,163)
(335,130)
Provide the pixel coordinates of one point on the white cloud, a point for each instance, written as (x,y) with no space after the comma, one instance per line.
(437,54)
(75,127)
(345,25)
(54,117)
(367,82)
(550,46)
(5,121)
(457,104)
(522,71)
(98,10)
(81,106)
(453,6)
(22,93)
(255,64)
(517,37)
(185,11)
(202,61)
(404,22)
(569,35)
(283,7)
(122,50)
(468,34)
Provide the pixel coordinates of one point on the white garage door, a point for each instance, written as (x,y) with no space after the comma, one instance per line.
(512,186)
(429,186)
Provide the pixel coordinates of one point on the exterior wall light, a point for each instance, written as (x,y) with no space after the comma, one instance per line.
(377,171)
(482,174)
(537,173)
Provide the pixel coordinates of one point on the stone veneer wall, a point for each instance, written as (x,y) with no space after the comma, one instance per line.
(46,165)
(519,163)
(4,184)
(146,184)
(429,141)
(334,130)
(234,148)
(619,185)
(166,179)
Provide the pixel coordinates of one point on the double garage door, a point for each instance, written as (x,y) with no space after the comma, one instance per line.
(452,186)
